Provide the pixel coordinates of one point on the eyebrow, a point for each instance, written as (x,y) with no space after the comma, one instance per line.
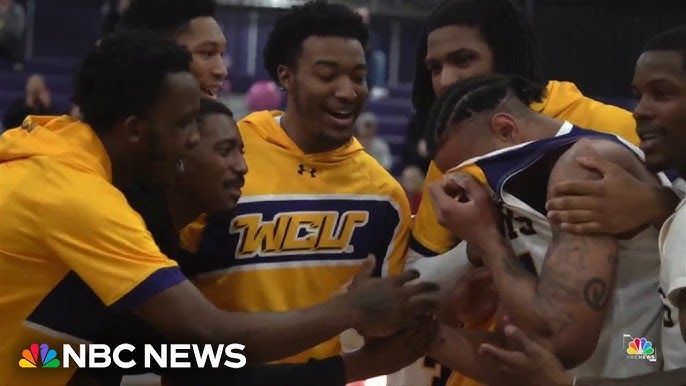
(452,54)
(334,65)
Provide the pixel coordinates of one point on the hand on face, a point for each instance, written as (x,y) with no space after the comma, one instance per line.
(464,207)
(601,206)
(386,305)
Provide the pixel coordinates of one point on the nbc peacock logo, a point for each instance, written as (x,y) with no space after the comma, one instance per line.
(640,348)
(32,359)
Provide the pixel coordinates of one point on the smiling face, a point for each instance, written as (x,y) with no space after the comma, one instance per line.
(215,169)
(205,40)
(326,90)
(660,83)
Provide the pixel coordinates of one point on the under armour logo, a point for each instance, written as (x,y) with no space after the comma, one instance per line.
(302,170)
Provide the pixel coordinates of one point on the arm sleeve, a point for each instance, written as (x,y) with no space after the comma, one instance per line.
(90,227)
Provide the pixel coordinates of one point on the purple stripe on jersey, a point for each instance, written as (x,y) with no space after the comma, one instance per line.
(159,281)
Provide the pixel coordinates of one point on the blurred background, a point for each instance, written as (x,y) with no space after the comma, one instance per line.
(590,42)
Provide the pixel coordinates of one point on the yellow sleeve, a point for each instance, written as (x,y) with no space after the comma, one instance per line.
(395,260)
(428,236)
(90,227)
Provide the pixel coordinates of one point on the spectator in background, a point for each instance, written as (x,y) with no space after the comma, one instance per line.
(376,59)
(263,95)
(412,181)
(378,148)
(12,27)
(37,101)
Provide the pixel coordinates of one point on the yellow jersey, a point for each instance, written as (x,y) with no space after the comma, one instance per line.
(70,245)
(562,101)
(303,226)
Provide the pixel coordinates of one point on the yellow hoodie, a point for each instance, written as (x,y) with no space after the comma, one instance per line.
(302,229)
(70,246)
(563,101)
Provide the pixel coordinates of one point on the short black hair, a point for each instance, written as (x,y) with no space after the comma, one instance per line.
(671,40)
(124,75)
(315,18)
(504,28)
(474,95)
(212,106)
(167,17)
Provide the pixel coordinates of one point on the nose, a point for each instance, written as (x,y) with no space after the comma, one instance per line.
(347,90)
(239,166)
(643,111)
(219,68)
(449,75)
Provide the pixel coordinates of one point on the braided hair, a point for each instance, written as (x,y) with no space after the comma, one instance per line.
(474,95)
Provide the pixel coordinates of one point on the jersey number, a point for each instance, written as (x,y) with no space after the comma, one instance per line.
(667,321)
(438,380)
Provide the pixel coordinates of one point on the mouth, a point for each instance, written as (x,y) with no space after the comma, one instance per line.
(234,187)
(212,90)
(650,138)
(341,117)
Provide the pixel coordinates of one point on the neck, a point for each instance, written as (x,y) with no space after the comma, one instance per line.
(540,127)
(180,211)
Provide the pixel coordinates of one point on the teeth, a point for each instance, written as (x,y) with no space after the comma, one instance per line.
(180,166)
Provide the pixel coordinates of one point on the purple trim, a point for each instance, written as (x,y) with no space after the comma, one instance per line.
(157,282)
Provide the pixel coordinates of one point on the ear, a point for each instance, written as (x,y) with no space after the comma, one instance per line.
(135,130)
(505,128)
(285,77)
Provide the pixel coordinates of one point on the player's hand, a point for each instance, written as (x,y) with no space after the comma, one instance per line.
(473,300)
(530,364)
(464,207)
(383,306)
(617,204)
(382,356)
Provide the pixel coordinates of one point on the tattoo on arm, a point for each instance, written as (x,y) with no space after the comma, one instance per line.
(596,294)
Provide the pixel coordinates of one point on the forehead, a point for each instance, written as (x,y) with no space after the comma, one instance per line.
(180,95)
(444,40)
(342,51)
(202,30)
(663,65)
(218,127)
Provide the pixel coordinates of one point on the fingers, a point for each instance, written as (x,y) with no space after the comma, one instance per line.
(404,277)
(569,203)
(442,194)
(578,188)
(585,228)
(519,338)
(367,268)
(598,164)
(506,357)
(574,216)
(474,190)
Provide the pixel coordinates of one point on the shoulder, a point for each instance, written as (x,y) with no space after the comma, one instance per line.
(604,150)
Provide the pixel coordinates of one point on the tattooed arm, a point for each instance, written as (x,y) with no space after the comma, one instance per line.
(564,308)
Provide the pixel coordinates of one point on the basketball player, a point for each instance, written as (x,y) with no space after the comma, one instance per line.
(314,204)
(568,291)
(660,82)
(465,38)
(106,258)
(191,24)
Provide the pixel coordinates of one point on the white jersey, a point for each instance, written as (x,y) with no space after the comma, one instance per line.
(672,281)
(518,176)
